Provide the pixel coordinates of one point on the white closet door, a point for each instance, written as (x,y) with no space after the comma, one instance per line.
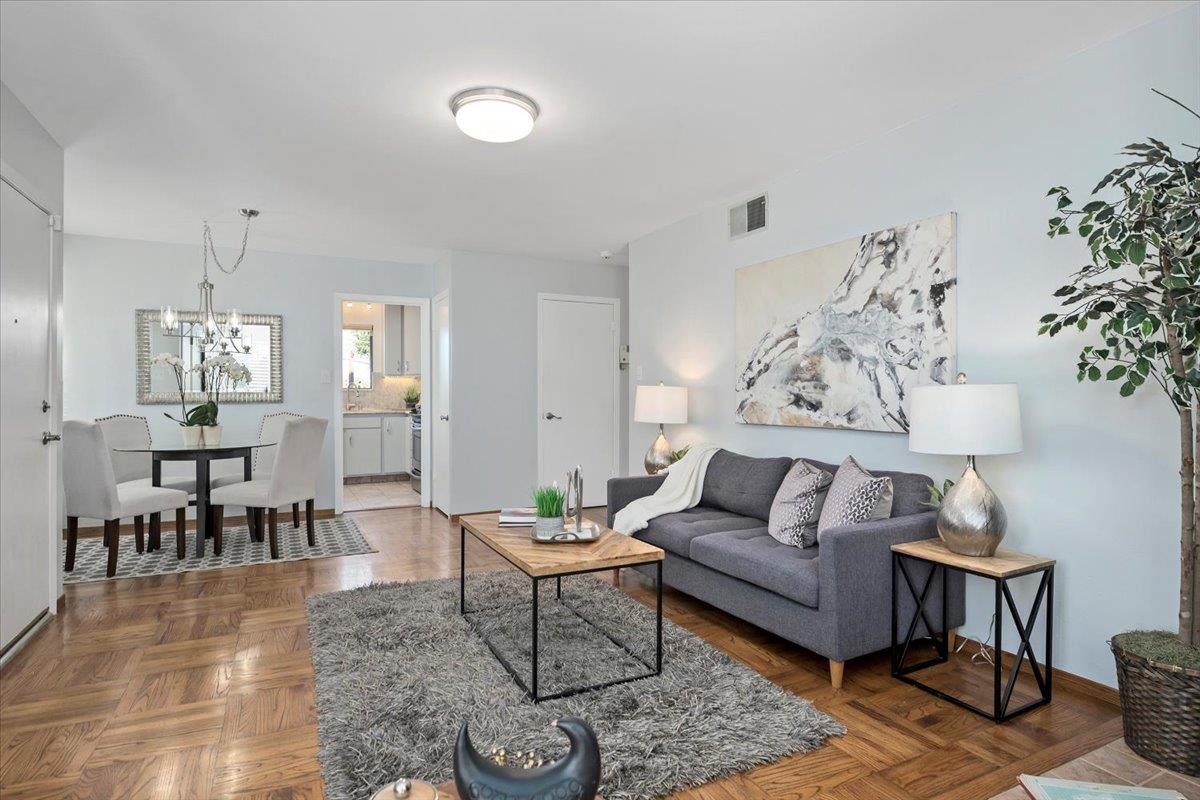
(577,379)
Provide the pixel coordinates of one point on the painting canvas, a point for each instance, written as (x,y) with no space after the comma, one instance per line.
(838,336)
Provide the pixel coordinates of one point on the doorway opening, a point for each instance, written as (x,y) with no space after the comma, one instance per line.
(382,346)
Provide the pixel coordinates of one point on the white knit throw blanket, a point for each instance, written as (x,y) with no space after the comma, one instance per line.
(681,489)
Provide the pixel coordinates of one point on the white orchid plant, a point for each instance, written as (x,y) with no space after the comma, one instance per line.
(219,374)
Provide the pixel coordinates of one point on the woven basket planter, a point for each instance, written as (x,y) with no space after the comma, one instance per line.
(1161,711)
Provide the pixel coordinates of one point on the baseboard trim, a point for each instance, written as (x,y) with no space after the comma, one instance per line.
(1077,683)
(169,524)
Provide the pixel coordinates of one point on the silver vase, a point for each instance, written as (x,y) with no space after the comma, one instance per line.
(972,520)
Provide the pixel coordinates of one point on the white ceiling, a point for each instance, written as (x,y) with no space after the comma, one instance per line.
(332,117)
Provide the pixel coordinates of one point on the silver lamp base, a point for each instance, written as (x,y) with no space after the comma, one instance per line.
(658,457)
(971,520)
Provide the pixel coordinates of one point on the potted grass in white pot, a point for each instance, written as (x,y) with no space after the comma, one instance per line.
(1140,294)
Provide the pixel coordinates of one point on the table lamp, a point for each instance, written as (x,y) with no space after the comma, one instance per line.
(967,420)
(664,405)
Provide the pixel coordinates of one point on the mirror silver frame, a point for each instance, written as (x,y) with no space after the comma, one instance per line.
(144,318)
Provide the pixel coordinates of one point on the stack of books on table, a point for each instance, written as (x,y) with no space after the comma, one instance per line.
(517,517)
(1056,789)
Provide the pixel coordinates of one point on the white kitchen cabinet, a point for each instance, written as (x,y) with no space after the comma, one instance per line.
(402,340)
(396,447)
(362,450)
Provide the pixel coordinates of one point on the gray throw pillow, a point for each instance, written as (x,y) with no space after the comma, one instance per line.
(855,496)
(797,505)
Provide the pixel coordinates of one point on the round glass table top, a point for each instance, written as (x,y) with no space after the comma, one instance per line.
(200,448)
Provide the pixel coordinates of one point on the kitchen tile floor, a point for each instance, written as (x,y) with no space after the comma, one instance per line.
(392,494)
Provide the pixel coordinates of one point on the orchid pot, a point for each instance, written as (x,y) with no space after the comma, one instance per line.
(191,435)
(212,435)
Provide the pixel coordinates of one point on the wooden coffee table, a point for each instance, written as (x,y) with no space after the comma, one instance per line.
(541,561)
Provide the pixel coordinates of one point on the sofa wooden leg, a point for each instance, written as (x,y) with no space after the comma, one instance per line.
(836,668)
(72,539)
(616,578)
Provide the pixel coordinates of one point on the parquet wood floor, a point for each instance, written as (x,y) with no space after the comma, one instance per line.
(200,685)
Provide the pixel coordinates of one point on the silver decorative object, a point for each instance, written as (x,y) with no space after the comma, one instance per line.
(658,457)
(574,490)
(402,787)
(971,520)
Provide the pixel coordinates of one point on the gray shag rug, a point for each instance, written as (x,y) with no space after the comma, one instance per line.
(398,670)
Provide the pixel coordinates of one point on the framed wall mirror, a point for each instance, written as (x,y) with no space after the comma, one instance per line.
(263,333)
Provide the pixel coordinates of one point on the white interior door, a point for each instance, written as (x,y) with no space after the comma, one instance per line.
(577,380)
(25,462)
(439,420)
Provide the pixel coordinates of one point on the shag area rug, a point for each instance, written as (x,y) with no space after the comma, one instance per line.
(398,670)
(338,536)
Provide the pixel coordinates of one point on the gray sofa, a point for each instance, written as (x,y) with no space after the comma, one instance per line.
(833,598)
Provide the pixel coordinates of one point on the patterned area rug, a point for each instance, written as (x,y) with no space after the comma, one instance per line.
(338,536)
(398,670)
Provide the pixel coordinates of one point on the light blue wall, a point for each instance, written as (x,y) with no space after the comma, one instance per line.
(493,324)
(106,279)
(1097,486)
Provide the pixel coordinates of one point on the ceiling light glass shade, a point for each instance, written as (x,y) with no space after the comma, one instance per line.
(491,114)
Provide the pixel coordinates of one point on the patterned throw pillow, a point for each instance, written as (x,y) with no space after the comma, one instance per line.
(855,496)
(797,505)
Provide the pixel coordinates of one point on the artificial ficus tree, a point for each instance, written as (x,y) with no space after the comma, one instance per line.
(1141,294)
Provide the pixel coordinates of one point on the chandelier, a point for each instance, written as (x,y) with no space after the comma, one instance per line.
(217,333)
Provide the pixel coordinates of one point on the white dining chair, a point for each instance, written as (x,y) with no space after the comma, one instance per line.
(293,480)
(131,430)
(90,490)
(269,431)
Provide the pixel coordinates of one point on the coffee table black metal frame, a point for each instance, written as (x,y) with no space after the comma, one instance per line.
(1001,695)
(531,688)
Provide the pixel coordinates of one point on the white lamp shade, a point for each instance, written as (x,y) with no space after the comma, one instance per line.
(970,419)
(661,404)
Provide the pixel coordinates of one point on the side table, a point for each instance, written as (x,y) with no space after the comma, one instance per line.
(1000,569)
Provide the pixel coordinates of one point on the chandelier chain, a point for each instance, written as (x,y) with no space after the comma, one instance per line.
(208,246)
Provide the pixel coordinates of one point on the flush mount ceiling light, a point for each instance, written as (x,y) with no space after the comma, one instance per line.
(492,114)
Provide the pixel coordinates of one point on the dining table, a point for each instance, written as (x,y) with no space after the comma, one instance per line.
(203,455)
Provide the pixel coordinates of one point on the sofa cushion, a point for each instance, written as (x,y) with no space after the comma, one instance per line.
(753,556)
(742,484)
(675,532)
(855,496)
(910,490)
(797,505)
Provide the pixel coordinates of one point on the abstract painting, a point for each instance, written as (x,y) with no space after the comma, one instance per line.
(838,336)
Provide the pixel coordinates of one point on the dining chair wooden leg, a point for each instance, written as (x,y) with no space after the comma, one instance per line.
(295,515)
(112,535)
(72,539)
(273,530)
(155,542)
(180,533)
(308,519)
(218,521)
(139,533)
(253,523)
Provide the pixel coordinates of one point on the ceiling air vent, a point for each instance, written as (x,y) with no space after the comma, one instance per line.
(748,217)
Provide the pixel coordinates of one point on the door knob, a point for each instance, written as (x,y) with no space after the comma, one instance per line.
(444,417)
(552,415)
(48,437)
